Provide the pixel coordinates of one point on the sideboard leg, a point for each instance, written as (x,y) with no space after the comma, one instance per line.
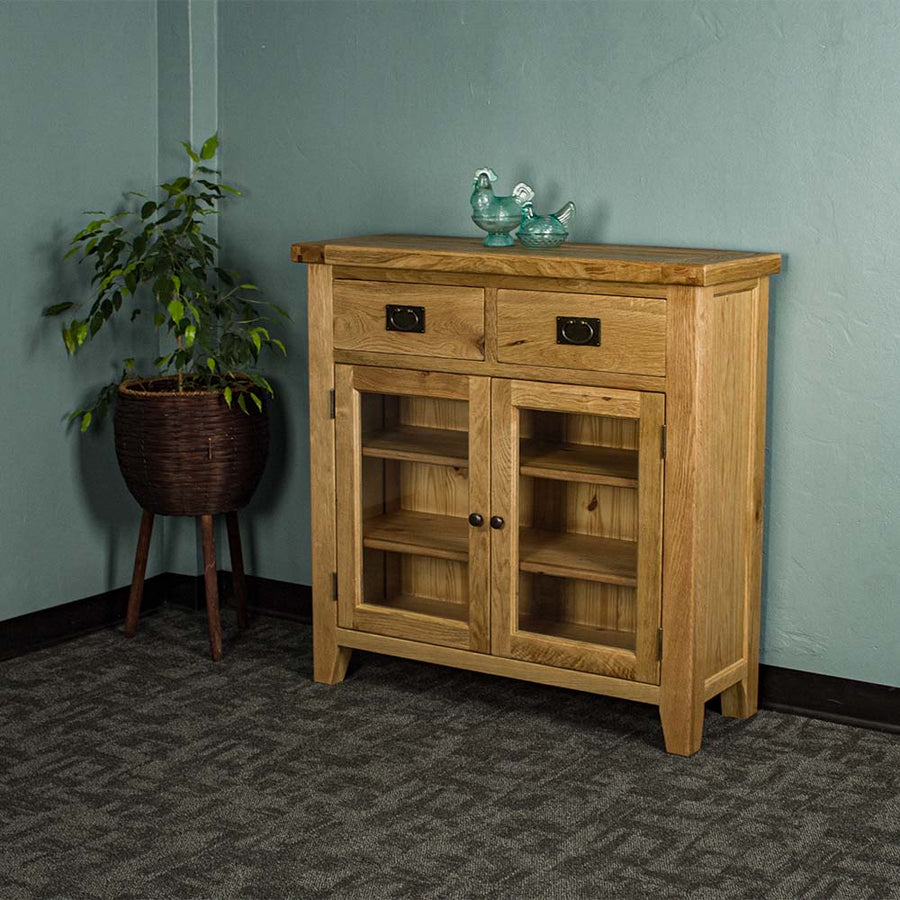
(740,700)
(329,660)
(682,725)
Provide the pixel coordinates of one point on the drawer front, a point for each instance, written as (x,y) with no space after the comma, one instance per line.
(582,331)
(419,319)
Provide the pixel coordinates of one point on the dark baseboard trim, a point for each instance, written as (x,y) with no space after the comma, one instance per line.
(808,694)
(839,700)
(46,627)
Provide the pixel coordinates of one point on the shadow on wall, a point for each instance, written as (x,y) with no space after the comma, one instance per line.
(270,493)
(105,496)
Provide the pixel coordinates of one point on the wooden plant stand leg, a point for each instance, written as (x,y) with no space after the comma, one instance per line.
(237,568)
(212,587)
(137,578)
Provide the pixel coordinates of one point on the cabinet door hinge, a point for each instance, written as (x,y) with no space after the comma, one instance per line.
(331,403)
(334,586)
(659,643)
(662,443)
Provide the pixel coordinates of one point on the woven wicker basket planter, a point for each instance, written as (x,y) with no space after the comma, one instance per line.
(187,454)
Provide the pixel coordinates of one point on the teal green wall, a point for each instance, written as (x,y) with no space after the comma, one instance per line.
(748,125)
(753,125)
(77,127)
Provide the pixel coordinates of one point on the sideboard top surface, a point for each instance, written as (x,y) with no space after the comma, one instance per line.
(600,262)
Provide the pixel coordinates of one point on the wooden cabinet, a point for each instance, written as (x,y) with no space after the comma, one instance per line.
(543,465)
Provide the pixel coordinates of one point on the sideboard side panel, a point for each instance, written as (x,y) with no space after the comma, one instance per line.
(329,660)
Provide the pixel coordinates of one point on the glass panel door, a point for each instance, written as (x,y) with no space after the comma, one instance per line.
(582,470)
(413,462)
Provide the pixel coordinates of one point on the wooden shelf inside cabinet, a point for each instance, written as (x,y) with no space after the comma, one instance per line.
(572,631)
(420,534)
(571,555)
(410,443)
(579,462)
(425,606)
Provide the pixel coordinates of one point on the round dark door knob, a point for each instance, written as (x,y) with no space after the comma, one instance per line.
(476,520)
(497,522)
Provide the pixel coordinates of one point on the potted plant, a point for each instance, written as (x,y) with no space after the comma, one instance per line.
(191,439)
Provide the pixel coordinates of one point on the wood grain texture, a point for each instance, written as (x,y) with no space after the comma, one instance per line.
(454,319)
(650,538)
(492,664)
(571,555)
(681,685)
(613,380)
(579,462)
(329,660)
(414,620)
(632,331)
(725,389)
(480,502)
(410,384)
(575,399)
(439,446)
(498,282)
(741,699)
(600,262)
(426,534)
(504,503)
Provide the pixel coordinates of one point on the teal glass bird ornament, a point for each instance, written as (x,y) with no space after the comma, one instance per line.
(545,232)
(497,215)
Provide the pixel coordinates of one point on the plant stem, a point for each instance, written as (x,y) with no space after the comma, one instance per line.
(180,340)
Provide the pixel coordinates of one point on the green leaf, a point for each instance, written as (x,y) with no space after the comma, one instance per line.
(242,403)
(190,151)
(56,309)
(249,287)
(280,346)
(86,421)
(256,400)
(176,310)
(211,364)
(257,341)
(148,209)
(210,145)
(69,340)
(81,332)
(72,252)
(129,363)
(228,396)
(190,333)
(231,190)
(158,320)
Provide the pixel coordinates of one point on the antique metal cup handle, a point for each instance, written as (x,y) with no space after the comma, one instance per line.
(578,331)
(410,319)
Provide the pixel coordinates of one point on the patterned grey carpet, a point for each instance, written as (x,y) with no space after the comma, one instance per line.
(142,770)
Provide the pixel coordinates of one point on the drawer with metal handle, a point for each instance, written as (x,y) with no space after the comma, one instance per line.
(582,331)
(433,320)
